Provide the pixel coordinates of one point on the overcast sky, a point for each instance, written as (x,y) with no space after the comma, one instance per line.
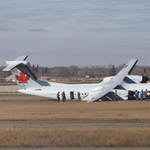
(75,32)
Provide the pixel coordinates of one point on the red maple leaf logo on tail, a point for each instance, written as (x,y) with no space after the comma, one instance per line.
(22,78)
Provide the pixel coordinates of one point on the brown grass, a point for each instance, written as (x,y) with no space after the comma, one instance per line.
(74,110)
(75,137)
(10,93)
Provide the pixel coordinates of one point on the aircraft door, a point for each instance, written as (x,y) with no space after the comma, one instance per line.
(71,95)
(74,95)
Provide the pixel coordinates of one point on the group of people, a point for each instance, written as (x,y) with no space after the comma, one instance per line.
(142,94)
(63,96)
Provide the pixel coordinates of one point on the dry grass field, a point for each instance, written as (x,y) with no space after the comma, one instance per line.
(47,110)
(74,110)
(75,137)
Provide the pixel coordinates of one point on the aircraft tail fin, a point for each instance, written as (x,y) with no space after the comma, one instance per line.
(22,74)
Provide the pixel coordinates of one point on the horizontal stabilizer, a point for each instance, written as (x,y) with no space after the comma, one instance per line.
(12,64)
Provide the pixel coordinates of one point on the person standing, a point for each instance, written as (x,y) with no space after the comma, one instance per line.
(58,97)
(145,93)
(136,95)
(115,96)
(63,96)
(148,95)
(141,94)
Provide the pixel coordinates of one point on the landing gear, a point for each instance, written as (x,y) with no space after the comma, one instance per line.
(131,95)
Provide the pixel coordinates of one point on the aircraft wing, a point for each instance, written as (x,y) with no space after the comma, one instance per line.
(115,81)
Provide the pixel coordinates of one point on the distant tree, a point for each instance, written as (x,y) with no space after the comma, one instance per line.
(37,68)
(46,69)
(112,71)
(33,67)
(75,71)
(29,65)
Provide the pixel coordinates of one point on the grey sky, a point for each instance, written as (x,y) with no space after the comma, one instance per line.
(75,32)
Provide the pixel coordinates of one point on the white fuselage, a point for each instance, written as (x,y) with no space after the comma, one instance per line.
(72,91)
(85,92)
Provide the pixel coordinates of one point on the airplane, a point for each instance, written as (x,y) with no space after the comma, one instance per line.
(123,82)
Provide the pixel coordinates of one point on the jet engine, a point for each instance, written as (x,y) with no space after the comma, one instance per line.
(136,79)
(125,95)
(144,79)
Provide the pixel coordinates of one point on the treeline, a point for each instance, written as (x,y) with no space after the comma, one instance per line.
(75,71)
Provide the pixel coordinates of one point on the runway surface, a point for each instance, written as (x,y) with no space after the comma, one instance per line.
(66,124)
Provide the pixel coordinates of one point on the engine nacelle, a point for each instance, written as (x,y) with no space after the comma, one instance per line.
(125,95)
(122,94)
(133,79)
(130,79)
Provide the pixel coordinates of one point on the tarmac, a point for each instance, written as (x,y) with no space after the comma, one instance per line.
(78,124)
